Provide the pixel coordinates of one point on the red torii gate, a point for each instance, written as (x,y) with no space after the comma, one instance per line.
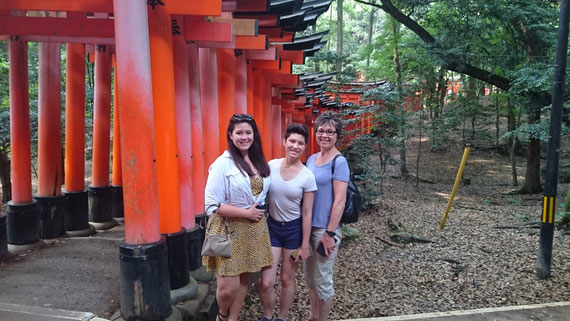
(179,77)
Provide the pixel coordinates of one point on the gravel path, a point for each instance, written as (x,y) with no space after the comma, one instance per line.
(470,264)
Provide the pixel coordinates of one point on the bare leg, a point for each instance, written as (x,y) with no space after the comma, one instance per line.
(315,302)
(226,293)
(325,308)
(267,285)
(288,269)
(240,293)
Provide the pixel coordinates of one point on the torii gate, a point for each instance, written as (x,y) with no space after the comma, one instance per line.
(182,69)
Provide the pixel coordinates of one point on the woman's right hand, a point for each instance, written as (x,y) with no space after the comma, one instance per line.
(255,214)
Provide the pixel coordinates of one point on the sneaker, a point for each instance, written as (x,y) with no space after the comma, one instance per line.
(265,319)
(281,319)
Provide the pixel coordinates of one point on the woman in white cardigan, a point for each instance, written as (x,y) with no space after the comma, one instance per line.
(237,183)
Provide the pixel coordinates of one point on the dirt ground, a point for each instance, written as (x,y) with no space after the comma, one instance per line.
(478,260)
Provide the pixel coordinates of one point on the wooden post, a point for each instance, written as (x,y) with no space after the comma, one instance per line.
(198,170)
(100,191)
(19,122)
(165,133)
(183,124)
(50,169)
(49,121)
(101,117)
(241,89)
(75,118)
(209,95)
(265,120)
(276,132)
(226,91)
(251,89)
(117,210)
(23,215)
(144,283)
(195,236)
(76,221)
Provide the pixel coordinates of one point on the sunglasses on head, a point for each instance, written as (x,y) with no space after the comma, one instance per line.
(242,117)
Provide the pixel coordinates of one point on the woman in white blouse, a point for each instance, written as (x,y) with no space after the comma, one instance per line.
(237,184)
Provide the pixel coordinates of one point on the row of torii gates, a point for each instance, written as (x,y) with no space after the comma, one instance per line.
(181,70)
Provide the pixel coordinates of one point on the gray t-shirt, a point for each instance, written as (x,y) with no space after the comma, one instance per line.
(324,197)
(285,196)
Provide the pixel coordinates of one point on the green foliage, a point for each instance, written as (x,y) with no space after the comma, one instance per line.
(349,233)
(564,221)
(523,217)
(513,201)
(567,202)
(364,168)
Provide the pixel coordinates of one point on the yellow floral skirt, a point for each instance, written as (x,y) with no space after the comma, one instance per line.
(251,248)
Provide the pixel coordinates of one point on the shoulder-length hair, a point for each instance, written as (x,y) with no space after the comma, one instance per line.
(329,118)
(255,151)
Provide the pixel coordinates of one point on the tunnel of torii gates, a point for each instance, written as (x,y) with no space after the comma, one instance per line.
(181,69)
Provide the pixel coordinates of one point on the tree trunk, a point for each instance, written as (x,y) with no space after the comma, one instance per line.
(5,176)
(394,29)
(339,36)
(532,183)
(370,32)
(442,90)
(497,120)
(317,63)
(514,162)
(419,152)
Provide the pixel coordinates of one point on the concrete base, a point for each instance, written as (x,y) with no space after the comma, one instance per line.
(104,225)
(175,315)
(33,313)
(184,293)
(15,249)
(198,308)
(81,233)
(201,274)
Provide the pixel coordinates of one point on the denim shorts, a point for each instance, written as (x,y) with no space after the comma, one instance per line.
(286,235)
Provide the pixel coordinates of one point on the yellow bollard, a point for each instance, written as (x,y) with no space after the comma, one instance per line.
(455,185)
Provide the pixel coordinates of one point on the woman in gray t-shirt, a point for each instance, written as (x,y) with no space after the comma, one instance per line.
(292,184)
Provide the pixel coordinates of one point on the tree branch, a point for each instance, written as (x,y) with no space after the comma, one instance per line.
(452,62)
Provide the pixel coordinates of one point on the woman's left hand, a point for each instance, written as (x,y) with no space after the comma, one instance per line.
(328,244)
(303,254)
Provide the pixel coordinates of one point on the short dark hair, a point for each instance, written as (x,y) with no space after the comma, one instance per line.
(297,129)
(332,118)
(255,152)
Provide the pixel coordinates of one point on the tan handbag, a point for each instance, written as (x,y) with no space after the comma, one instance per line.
(218,244)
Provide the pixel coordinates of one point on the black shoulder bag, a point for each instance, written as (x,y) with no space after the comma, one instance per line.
(353,200)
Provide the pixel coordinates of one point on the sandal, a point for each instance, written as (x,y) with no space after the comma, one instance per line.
(222,317)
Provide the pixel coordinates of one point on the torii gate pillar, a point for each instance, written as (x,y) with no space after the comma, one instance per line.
(100,191)
(166,149)
(117,207)
(196,238)
(23,217)
(76,220)
(145,283)
(50,171)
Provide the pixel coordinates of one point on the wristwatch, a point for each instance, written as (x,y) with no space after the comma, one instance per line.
(331,233)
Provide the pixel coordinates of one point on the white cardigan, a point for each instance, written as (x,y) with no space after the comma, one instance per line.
(228,185)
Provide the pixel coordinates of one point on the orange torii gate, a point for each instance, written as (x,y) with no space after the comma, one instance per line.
(181,69)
